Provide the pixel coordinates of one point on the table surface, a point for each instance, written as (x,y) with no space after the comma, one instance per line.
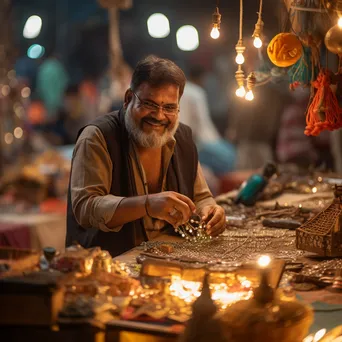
(326,305)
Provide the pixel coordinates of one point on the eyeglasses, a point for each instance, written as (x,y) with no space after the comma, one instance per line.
(168,110)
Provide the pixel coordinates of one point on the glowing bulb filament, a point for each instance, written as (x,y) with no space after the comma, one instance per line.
(215,33)
(239,58)
(257,42)
(249,96)
(240,92)
(339,23)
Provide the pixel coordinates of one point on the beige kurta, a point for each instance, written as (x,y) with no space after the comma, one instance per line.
(91,180)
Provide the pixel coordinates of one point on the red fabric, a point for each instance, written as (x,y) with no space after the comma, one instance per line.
(14,235)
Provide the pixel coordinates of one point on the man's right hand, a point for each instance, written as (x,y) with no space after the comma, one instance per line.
(170,206)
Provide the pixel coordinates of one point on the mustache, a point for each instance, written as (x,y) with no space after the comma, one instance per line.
(155,121)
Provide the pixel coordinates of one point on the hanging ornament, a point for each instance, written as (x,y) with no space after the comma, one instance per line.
(333,39)
(284,50)
(324,112)
(303,72)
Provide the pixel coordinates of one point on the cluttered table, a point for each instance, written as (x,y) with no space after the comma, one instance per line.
(148,293)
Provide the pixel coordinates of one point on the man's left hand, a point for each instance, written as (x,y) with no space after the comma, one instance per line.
(215,218)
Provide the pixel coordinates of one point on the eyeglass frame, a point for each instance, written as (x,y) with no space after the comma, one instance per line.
(154,106)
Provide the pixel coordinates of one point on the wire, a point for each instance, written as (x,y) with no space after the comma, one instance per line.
(241,19)
(260,9)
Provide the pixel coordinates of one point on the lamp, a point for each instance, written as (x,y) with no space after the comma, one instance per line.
(215,31)
(257,34)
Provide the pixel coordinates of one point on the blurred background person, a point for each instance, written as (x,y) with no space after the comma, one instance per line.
(215,153)
(293,146)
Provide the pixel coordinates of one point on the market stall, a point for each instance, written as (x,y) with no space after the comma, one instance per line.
(151,291)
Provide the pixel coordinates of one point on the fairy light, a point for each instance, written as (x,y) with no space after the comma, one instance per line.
(216,20)
(257,34)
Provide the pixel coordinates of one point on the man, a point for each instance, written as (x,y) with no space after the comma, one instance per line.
(135,172)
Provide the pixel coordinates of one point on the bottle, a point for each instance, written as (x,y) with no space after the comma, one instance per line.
(251,189)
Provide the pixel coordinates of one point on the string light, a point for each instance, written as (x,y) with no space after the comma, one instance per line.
(215,31)
(257,34)
(251,80)
(241,91)
(239,47)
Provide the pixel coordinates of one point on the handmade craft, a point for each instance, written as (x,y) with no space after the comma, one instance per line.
(324,112)
(285,49)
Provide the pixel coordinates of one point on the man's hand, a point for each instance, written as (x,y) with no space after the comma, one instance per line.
(170,206)
(215,218)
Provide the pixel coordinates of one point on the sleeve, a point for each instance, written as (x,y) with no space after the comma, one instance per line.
(91,178)
(202,194)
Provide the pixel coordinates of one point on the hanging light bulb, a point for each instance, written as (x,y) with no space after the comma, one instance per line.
(249,96)
(240,59)
(339,23)
(259,26)
(215,31)
(257,42)
(240,92)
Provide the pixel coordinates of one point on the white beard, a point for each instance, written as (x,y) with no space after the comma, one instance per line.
(148,140)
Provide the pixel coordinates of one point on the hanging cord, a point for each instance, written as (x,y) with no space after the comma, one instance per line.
(260,9)
(241,19)
(217,3)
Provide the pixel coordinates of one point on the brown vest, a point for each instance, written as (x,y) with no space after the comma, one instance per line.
(180,177)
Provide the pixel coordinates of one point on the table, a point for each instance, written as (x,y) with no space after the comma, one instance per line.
(34,230)
(327,306)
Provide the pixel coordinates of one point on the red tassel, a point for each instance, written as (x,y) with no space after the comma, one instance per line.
(324,112)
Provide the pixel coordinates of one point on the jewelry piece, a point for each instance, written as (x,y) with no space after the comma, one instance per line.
(173,212)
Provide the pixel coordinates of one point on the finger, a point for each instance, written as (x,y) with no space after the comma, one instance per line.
(215,222)
(206,215)
(183,208)
(187,200)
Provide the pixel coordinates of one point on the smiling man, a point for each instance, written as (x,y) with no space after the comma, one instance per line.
(135,172)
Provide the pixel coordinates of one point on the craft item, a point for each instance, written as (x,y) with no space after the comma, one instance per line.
(323,233)
(251,189)
(285,49)
(202,325)
(281,223)
(303,71)
(324,112)
(333,40)
(194,230)
(266,320)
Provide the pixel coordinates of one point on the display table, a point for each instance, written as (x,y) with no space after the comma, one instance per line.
(34,231)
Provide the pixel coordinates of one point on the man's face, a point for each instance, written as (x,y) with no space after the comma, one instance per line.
(150,125)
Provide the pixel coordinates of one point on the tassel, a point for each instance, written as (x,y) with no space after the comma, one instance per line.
(324,112)
(304,71)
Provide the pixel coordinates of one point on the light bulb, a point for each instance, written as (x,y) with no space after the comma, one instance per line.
(339,23)
(215,33)
(240,92)
(249,96)
(257,42)
(239,58)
